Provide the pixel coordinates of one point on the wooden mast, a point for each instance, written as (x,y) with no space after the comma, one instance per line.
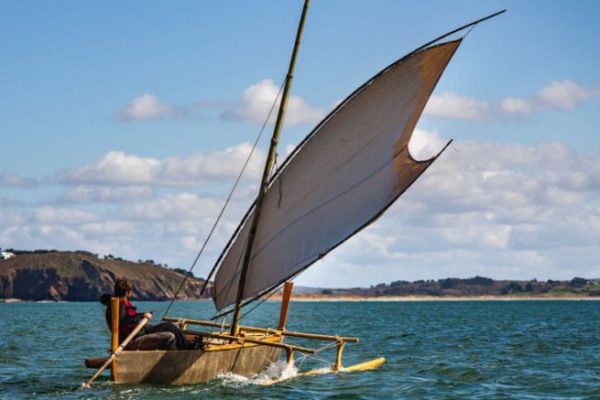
(267,171)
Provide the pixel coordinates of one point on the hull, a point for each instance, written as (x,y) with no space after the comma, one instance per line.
(184,367)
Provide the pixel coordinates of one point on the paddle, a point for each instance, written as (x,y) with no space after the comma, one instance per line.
(128,339)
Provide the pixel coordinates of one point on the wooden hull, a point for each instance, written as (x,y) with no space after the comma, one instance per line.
(184,367)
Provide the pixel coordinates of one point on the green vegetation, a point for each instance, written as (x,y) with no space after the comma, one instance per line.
(478,286)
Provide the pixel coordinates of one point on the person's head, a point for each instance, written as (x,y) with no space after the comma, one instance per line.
(123,287)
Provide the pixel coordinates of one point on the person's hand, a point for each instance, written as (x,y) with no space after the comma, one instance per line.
(148,315)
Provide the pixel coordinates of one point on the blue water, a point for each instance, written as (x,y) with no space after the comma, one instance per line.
(434,350)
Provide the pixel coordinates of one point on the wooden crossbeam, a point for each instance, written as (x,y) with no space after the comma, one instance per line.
(304,335)
(239,339)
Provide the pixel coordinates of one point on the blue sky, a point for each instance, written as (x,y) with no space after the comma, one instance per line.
(117,119)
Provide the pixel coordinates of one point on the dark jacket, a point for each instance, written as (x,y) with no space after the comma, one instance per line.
(128,317)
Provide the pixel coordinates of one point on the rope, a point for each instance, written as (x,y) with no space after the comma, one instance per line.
(304,357)
(233,188)
(327,346)
(258,304)
(214,328)
(469,31)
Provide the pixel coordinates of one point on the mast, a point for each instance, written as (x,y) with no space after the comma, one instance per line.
(267,171)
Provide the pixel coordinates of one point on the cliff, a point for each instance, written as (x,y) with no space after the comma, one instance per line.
(82,276)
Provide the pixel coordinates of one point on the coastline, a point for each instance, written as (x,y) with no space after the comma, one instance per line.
(315,298)
(319,298)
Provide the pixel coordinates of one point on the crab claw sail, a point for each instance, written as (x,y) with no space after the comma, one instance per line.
(341,178)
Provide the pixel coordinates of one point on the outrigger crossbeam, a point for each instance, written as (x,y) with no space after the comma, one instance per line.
(305,335)
(257,335)
(242,337)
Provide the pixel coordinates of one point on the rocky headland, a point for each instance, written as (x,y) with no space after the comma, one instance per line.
(82,276)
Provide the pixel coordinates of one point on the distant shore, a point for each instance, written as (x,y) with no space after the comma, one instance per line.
(309,298)
(320,298)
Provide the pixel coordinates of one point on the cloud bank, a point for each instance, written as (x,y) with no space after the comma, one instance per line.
(493,209)
(454,106)
(563,95)
(119,168)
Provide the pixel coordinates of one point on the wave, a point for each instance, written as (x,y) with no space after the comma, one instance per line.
(276,372)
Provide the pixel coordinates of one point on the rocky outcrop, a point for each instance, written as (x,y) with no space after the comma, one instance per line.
(81,276)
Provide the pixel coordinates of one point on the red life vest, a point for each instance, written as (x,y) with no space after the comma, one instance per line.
(130,309)
(128,316)
(126,321)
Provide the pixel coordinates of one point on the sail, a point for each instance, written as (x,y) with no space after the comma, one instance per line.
(347,172)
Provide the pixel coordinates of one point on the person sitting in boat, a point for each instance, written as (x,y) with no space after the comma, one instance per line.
(162,336)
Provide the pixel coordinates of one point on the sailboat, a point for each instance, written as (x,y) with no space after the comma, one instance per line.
(343,176)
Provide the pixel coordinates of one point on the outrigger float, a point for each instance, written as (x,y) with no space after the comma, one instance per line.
(340,179)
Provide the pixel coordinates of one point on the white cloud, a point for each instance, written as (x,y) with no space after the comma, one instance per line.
(90,194)
(111,228)
(145,108)
(118,168)
(454,106)
(513,105)
(179,207)
(62,216)
(59,237)
(424,144)
(475,230)
(115,167)
(191,243)
(15,180)
(564,94)
(215,165)
(258,99)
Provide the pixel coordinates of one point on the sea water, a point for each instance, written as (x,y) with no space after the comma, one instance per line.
(433,350)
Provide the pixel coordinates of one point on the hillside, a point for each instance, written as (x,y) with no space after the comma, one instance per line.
(473,287)
(82,276)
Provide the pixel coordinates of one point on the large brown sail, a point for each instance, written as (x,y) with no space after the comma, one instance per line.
(352,167)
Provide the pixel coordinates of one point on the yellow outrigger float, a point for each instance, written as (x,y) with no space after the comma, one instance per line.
(342,177)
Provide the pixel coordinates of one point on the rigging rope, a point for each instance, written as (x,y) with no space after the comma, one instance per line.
(469,31)
(268,293)
(233,188)
(314,356)
(258,304)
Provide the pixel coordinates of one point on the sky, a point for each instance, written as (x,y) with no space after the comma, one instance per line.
(123,126)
